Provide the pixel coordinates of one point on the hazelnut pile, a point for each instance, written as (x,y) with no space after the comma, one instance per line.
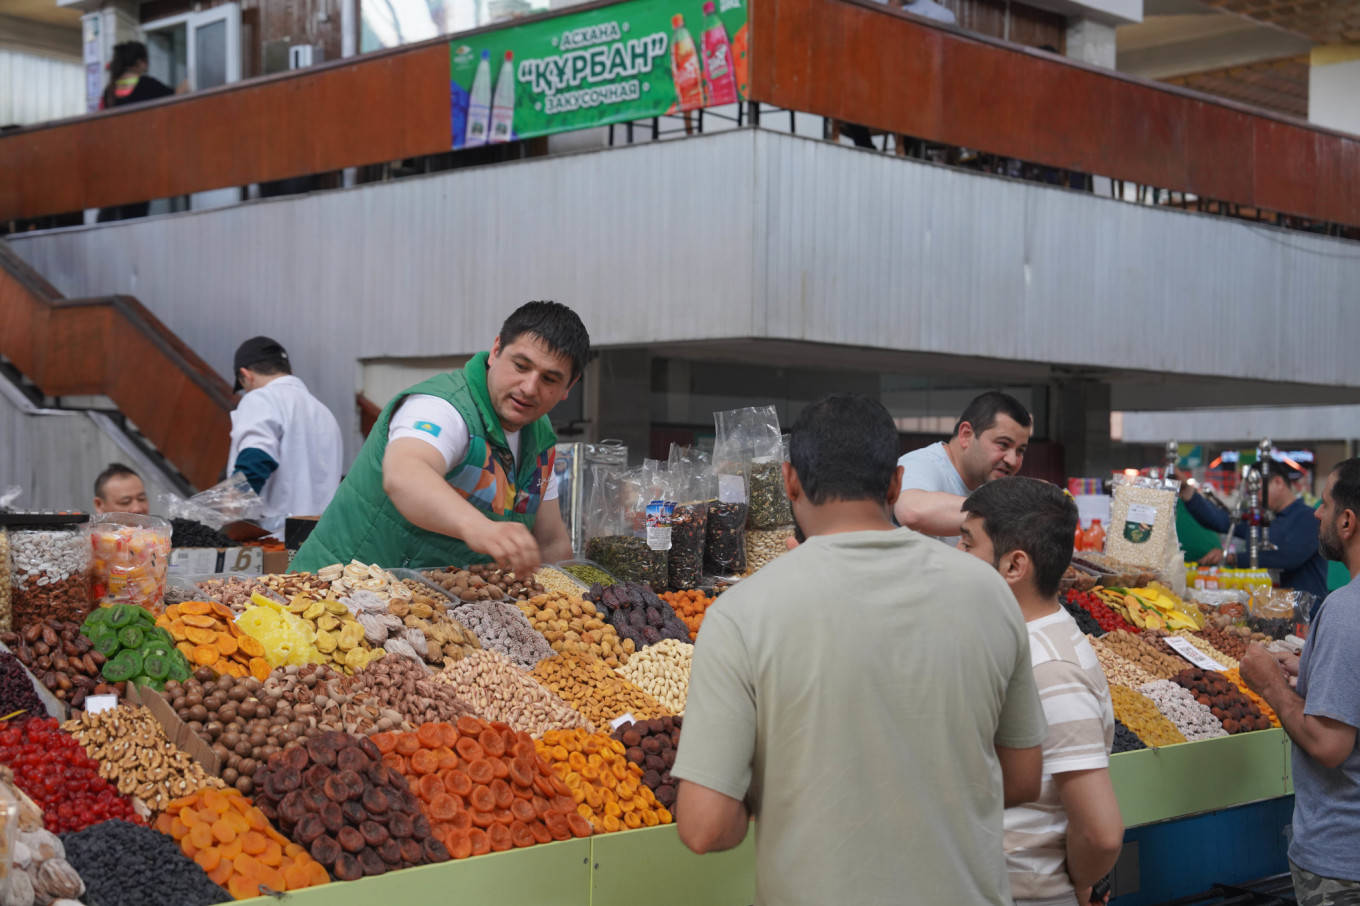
(483,582)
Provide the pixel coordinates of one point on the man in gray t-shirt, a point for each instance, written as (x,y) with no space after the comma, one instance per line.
(874,728)
(989,442)
(1321,717)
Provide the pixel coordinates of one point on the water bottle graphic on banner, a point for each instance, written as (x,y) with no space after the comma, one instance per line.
(503,106)
(689,88)
(479,104)
(719,75)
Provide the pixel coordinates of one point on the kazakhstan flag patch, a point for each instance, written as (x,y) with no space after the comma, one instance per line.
(429,428)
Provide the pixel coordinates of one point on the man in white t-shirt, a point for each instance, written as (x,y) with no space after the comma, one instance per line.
(989,442)
(1060,845)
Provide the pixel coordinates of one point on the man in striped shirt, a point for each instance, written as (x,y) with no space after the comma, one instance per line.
(1060,845)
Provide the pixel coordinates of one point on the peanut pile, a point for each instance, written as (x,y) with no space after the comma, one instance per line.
(590,687)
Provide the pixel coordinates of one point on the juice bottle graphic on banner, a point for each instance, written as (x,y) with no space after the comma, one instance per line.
(503,106)
(689,86)
(479,104)
(719,73)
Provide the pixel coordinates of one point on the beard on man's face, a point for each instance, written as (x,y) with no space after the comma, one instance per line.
(1329,543)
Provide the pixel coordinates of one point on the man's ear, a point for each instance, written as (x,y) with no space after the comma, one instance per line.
(792,486)
(966,435)
(895,487)
(1015,566)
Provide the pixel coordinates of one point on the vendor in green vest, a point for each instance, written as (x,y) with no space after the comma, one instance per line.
(459,468)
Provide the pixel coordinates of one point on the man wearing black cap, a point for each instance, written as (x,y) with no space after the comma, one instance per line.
(283,439)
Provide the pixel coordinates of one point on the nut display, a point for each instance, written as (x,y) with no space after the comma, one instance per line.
(6,577)
(637,614)
(126,864)
(763,546)
(482,786)
(1204,646)
(596,691)
(243,723)
(356,576)
(205,632)
(606,786)
(1224,699)
(232,591)
(1137,712)
(355,815)
(573,626)
(417,627)
(136,757)
(501,627)
(662,671)
(405,686)
(323,699)
(651,745)
(690,607)
(62,659)
(138,651)
(235,844)
(1138,652)
(499,691)
(1194,720)
(49,575)
(1117,670)
(484,582)
(557,581)
(1232,640)
(35,749)
(585,573)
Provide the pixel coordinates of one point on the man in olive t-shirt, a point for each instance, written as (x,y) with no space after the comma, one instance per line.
(867,697)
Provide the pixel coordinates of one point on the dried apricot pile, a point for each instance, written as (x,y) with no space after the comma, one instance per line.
(207,635)
(236,845)
(606,786)
(482,786)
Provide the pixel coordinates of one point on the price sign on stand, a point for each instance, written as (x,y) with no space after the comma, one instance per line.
(243,561)
(1193,654)
(96,703)
(194,561)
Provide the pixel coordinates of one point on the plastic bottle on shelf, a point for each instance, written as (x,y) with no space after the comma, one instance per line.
(1079,540)
(479,104)
(503,107)
(689,86)
(1095,536)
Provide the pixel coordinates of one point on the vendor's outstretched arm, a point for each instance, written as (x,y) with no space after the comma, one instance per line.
(931,512)
(413,478)
(551,532)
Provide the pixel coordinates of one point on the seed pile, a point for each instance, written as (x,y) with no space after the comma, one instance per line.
(405,687)
(499,691)
(1137,652)
(322,699)
(597,692)
(1118,672)
(574,626)
(49,576)
(126,864)
(766,545)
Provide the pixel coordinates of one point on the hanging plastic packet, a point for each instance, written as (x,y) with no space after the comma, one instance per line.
(691,476)
(725,532)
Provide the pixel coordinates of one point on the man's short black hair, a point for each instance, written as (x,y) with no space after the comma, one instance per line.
(274,365)
(557,326)
(983,410)
(844,448)
(1346,490)
(111,471)
(1026,514)
(1283,469)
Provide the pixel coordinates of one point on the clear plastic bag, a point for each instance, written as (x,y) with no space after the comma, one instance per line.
(131,556)
(751,442)
(231,500)
(623,547)
(1142,521)
(693,483)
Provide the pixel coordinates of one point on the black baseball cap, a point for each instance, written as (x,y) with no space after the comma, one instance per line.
(254,351)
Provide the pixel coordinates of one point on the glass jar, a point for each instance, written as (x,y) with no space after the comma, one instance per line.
(48,566)
(131,555)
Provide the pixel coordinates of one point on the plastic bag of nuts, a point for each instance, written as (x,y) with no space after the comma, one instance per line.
(764,546)
(499,691)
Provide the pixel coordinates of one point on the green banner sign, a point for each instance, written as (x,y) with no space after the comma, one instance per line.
(628,61)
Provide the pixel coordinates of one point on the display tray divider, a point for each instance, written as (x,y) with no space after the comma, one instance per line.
(1196,777)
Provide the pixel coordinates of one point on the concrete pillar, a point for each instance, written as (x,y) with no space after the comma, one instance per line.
(619,399)
(1091,42)
(1079,419)
(1333,82)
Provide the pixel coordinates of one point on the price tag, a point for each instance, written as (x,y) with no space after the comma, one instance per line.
(194,561)
(96,703)
(621,720)
(244,561)
(1193,654)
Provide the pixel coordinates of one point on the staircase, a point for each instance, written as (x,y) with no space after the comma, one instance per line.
(112,346)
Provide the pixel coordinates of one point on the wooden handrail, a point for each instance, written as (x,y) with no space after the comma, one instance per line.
(854,60)
(905,75)
(112,346)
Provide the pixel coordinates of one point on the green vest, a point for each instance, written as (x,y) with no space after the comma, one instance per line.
(362,523)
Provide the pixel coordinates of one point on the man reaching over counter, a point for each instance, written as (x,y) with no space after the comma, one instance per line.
(459,468)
